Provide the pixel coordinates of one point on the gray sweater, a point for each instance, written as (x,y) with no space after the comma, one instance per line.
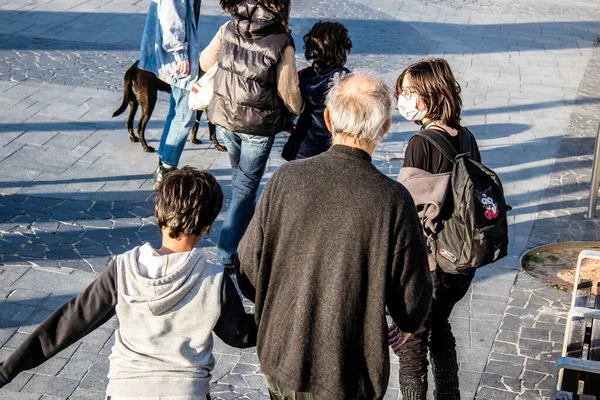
(167,307)
(159,350)
(333,241)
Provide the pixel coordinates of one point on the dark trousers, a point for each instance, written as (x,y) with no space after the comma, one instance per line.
(436,332)
(279,391)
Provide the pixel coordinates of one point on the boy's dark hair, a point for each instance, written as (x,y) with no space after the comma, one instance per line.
(188,201)
(434,82)
(328,44)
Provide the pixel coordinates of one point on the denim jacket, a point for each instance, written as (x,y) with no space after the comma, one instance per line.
(171,35)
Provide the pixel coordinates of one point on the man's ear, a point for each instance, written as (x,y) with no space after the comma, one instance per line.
(327,117)
(388,125)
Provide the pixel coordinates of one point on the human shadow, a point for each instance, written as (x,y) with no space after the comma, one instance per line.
(121,32)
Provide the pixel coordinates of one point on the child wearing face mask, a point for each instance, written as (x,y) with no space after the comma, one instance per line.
(429,95)
(327,44)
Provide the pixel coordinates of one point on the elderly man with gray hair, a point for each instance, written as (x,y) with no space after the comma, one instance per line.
(334,241)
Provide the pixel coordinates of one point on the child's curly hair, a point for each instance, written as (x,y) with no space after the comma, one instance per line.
(328,44)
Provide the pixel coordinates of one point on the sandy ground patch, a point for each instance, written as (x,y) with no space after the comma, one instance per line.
(555,264)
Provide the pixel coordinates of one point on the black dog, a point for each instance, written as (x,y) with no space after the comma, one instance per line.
(140,88)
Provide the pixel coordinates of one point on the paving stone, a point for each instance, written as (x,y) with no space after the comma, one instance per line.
(15,341)
(221,369)
(539,366)
(96,378)
(504,368)
(513,384)
(536,345)
(244,369)
(52,303)
(94,342)
(508,336)
(51,367)
(15,311)
(535,333)
(531,379)
(36,318)
(492,380)
(507,348)
(26,297)
(81,394)
(54,386)
(529,395)
(494,394)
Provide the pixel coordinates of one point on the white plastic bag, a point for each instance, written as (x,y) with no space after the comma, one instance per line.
(202,91)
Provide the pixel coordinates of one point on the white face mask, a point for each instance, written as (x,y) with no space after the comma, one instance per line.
(408,108)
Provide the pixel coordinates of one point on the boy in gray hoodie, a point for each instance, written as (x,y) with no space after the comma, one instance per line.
(168,302)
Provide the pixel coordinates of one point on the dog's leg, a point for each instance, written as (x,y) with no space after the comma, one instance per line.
(147,103)
(194,130)
(212,130)
(133,106)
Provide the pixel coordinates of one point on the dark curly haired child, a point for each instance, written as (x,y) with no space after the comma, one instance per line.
(327,44)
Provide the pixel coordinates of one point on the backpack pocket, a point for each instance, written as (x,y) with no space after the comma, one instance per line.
(451,246)
(489,244)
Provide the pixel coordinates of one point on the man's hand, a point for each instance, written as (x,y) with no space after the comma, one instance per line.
(396,337)
(183,67)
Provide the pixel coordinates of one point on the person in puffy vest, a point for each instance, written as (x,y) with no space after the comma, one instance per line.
(429,95)
(256,96)
(327,44)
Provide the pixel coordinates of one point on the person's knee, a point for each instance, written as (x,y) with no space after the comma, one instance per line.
(413,359)
(246,184)
(441,337)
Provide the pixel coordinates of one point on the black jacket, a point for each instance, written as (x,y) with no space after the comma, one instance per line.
(333,241)
(245,96)
(311,137)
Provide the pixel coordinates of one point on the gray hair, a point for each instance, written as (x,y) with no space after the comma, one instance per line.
(359,106)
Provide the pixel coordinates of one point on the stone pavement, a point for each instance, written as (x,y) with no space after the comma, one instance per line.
(531,333)
(74,190)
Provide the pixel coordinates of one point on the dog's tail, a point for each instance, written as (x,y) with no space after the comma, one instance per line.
(126,89)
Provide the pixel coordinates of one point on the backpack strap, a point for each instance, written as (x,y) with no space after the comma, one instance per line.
(465,140)
(437,139)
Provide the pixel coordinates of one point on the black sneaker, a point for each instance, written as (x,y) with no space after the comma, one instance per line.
(159,175)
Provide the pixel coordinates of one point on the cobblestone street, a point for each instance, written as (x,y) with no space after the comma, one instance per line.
(75,191)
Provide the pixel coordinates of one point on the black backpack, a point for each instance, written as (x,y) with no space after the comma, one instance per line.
(476,234)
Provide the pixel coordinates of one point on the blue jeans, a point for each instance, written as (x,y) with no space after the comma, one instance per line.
(180,120)
(248,155)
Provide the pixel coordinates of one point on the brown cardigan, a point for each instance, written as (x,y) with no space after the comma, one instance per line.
(429,193)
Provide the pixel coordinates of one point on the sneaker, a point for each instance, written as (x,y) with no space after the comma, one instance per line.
(161,170)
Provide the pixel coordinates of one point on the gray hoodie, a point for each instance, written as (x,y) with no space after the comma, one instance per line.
(167,307)
(159,350)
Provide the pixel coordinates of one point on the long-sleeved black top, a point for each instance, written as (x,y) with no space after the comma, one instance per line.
(333,241)
(96,305)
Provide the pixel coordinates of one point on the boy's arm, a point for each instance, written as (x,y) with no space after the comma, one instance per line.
(234,327)
(171,17)
(72,321)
